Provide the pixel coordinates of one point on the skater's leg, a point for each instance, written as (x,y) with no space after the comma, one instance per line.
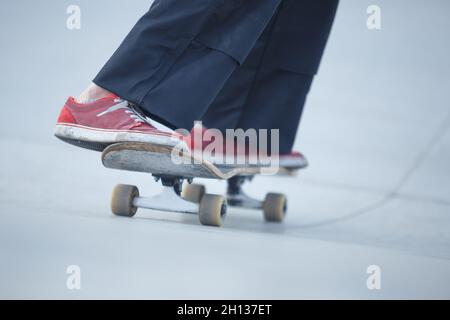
(226,109)
(276,102)
(178,56)
(189,86)
(287,69)
(269,90)
(170,67)
(91,93)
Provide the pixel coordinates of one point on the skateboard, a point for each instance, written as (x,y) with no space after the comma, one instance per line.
(182,197)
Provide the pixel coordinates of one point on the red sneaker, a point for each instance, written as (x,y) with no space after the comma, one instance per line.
(109,120)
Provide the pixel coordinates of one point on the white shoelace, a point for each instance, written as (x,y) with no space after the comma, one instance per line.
(122,104)
(133,115)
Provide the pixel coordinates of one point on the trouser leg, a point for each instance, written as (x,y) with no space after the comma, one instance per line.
(268,92)
(179,55)
(190,86)
(260,96)
(274,100)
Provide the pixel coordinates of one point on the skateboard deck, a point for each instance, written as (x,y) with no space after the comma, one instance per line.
(157,160)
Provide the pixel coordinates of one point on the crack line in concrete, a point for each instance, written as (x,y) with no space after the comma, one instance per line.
(394,193)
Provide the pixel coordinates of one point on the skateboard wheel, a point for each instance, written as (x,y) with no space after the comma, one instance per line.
(193,192)
(274,207)
(211,210)
(122,200)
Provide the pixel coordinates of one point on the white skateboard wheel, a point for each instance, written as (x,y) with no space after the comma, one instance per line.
(212,210)
(274,207)
(193,192)
(122,200)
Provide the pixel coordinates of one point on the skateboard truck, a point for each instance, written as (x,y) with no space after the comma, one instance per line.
(236,197)
(171,182)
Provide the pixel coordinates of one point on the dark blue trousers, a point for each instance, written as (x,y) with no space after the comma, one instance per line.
(230,63)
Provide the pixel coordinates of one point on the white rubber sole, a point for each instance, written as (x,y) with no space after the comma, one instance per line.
(98,139)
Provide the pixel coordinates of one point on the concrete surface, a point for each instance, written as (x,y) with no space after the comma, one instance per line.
(376,131)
